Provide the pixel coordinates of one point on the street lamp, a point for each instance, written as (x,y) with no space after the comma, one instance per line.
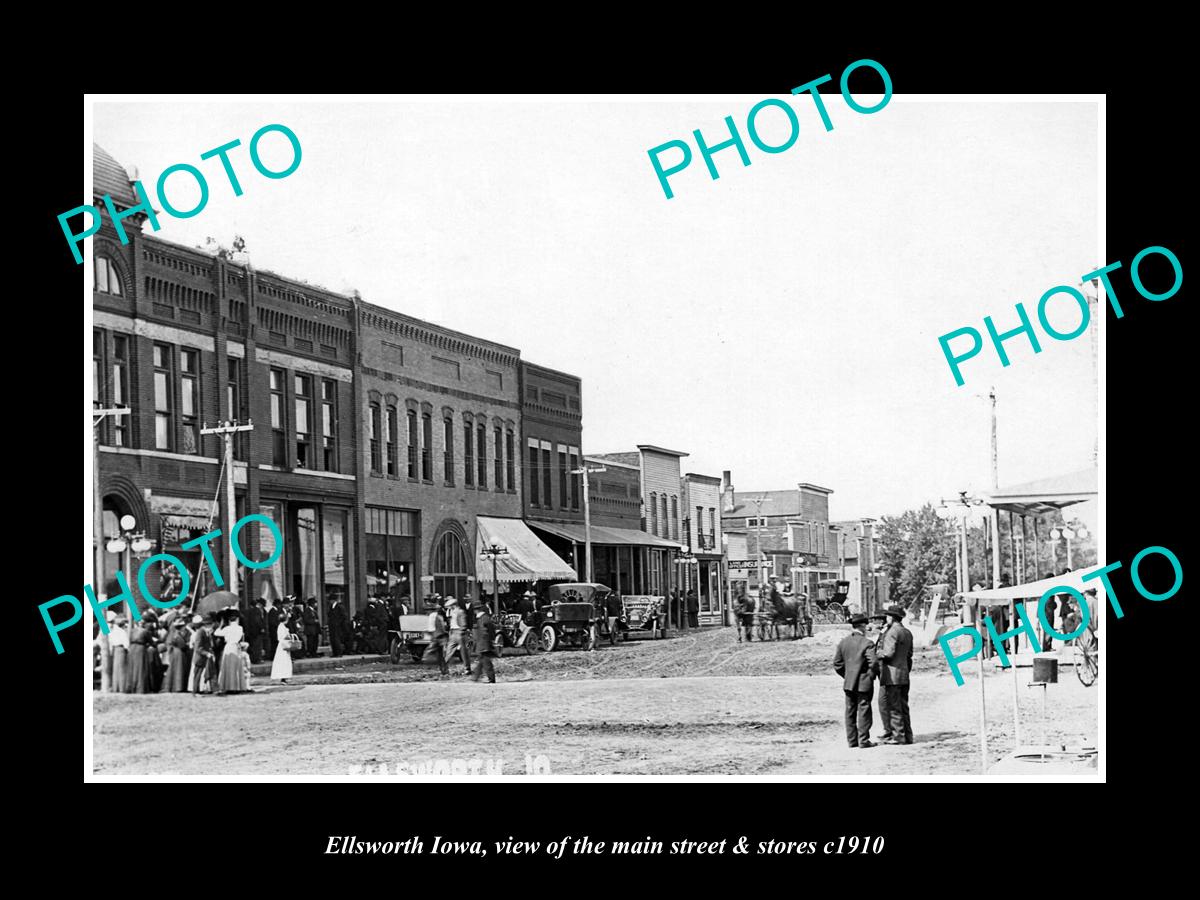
(494,552)
(129,542)
(1074,530)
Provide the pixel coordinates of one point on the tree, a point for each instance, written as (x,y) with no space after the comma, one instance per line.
(916,550)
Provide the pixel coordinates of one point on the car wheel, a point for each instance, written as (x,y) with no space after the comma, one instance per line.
(549,638)
(531,642)
(394,650)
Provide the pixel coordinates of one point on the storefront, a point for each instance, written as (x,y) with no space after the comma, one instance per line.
(392,554)
(639,562)
(317,561)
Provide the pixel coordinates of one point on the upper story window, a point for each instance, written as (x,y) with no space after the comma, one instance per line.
(468,454)
(674,517)
(392,436)
(426,445)
(413,444)
(498,457)
(233,400)
(755,523)
(189,399)
(448,452)
(654,513)
(510,461)
(534,498)
(278,429)
(374,428)
(108,281)
(304,459)
(329,424)
(481,452)
(163,423)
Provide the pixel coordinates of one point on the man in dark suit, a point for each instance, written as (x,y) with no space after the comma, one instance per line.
(895,662)
(256,628)
(339,626)
(883,621)
(312,627)
(855,662)
(485,637)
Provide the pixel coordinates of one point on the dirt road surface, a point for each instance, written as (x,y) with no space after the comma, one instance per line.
(698,704)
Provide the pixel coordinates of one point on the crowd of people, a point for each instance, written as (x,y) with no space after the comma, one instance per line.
(177,653)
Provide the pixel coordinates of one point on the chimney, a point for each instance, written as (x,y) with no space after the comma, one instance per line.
(727,491)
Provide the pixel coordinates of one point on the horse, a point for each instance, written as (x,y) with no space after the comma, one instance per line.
(786,611)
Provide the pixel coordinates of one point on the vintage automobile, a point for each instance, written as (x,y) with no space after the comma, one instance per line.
(572,615)
(513,631)
(643,616)
(414,635)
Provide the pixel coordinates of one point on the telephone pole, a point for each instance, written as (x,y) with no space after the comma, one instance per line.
(583,472)
(758,502)
(98,538)
(227,430)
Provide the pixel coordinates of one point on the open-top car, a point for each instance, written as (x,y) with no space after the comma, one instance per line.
(643,616)
(414,634)
(572,614)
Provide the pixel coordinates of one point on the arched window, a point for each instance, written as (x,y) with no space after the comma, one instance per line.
(449,566)
(654,513)
(108,280)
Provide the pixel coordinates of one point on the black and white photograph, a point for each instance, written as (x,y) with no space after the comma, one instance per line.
(677,437)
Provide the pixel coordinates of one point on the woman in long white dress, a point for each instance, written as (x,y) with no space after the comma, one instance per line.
(281,665)
(232,679)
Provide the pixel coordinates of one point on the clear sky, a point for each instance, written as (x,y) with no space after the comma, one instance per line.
(780,322)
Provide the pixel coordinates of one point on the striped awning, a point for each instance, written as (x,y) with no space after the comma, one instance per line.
(528,559)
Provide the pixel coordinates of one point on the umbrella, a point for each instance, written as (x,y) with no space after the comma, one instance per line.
(217,600)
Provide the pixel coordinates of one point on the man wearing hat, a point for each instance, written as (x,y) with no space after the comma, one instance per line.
(485,636)
(880,622)
(457,620)
(895,662)
(855,661)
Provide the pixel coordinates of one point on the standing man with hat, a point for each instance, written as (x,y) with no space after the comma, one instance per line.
(485,636)
(895,662)
(882,621)
(855,661)
(457,617)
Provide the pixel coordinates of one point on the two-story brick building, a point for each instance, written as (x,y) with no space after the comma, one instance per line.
(790,529)
(386,450)
(701,499)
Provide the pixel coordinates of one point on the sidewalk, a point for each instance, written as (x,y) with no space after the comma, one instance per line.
(322,663)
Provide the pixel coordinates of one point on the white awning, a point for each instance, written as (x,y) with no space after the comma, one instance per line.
(528,558)
(1034,589)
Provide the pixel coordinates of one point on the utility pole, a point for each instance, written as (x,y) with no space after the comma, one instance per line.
(98,539)
(583,472)
(227,430)
(995,513)
(758,502)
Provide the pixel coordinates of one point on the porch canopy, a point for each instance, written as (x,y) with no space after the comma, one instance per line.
(604,536)
(1003,596)
(1046,494)
(528,558)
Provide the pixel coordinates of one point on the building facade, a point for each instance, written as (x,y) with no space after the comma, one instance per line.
(551,436)
(701,499)
(787,533)
(379,444)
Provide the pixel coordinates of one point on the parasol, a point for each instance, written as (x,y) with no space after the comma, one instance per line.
(217,600)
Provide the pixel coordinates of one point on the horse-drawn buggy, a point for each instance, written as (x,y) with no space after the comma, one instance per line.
(829,606)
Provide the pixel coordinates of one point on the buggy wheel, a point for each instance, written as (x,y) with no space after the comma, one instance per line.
(1087,662)
(549,638)
(837,613)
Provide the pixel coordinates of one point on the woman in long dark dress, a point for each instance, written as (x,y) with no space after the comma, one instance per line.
(118,643)
(140,646)
(177,659)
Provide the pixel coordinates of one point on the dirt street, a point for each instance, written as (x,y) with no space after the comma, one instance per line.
(696,704)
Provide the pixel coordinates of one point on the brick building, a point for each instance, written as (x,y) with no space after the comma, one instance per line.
(795,534)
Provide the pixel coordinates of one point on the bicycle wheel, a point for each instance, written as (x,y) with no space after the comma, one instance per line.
(1087,662)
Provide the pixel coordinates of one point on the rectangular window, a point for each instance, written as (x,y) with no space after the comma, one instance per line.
(547,477)
(712,528)
(448,453)
(700,539)
(481,449)
(412,445)
(303,385)
(278,426)
(163,429)
(373,430)
(391,437)
(533,474)
(654,514)
(120,390)
(575,479)
(189,399)
(329,425)
(510,461)
(468,455)
(498,457)
(563,475)
(427,446)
